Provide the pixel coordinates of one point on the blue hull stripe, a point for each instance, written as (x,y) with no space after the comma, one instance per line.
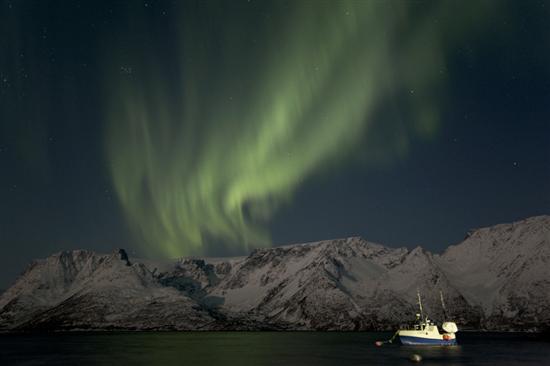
(416,341)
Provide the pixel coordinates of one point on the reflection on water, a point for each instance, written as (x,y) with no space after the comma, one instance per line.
(261,348)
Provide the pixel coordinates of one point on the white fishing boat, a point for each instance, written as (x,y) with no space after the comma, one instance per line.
(425,332)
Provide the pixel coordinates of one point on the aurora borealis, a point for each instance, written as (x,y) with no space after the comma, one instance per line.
(212,127)
(253,119)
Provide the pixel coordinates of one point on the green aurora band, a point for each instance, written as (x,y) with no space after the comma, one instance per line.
(203,156)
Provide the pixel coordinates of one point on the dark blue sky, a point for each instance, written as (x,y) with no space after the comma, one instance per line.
(488,163)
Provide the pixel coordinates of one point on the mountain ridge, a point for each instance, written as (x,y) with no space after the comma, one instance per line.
(496,279)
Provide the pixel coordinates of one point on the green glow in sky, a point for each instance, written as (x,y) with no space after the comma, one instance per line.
(202,156)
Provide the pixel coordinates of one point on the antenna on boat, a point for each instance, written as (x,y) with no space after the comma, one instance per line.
(420,304)
(443,304)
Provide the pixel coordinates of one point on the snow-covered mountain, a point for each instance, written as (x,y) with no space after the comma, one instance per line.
(497,278)
(85,290)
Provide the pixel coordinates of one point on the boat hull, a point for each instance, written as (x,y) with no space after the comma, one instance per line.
(420,341)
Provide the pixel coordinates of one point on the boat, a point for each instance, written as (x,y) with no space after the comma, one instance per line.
(425,332)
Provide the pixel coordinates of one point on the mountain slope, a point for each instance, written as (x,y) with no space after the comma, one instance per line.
(505,270)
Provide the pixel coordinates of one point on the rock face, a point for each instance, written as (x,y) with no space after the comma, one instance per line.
(498,278)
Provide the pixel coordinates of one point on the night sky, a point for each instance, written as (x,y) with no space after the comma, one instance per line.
(176,128)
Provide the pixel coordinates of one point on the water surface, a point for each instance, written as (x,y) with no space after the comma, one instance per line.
(262,348)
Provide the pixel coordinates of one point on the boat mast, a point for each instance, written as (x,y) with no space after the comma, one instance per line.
(420,304)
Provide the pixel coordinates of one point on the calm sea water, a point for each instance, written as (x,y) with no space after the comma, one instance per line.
(263,348)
